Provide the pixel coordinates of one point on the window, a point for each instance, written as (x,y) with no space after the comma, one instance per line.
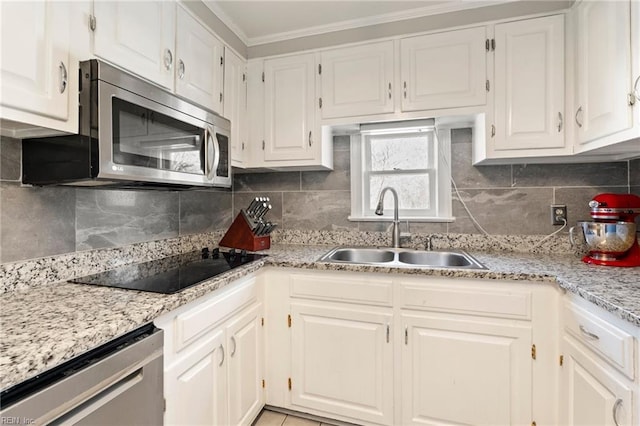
(409,157)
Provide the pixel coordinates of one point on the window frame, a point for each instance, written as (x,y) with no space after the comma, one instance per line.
(440,169)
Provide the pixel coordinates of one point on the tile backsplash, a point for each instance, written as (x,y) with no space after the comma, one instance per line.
(513,200)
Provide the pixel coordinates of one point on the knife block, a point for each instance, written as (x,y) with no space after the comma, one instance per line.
(240,236)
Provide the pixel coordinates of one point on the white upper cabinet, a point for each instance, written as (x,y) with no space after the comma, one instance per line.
(604,71)
(290,109)
(529,98)
(357,80)
(235,104)
(199,62)
(37,70)
(139,36)
(443,70)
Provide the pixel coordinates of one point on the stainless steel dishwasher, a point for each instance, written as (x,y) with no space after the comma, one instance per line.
(118,383)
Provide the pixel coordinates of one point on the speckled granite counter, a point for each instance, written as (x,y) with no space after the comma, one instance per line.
(43,326)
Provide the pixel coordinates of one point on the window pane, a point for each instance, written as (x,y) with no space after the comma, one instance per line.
(413,191)
(399,152)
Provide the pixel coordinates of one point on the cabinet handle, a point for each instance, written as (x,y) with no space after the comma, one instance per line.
(310,140)
(589,334)
(388,331)
(578,113)
(181,69)
(63,77)
(635,94)
(406,334)
(389,90)
(493,130)
(168,59)
(616,406)
(560,122)
(222,360)
(233,352)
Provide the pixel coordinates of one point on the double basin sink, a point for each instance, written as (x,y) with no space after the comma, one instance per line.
(406,258)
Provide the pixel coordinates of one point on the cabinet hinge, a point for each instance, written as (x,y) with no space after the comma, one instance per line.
(263,76)
(289,383)
(561,360)
(92,22)
(493,44)
(632,99)
(244,77)
(261,319)
(533,351)
(263,144)
(221,60)
(488,86)
(164,405)
(264,385)
(289,320)
(320,102)
(221,97)
(487,44)
(319,68)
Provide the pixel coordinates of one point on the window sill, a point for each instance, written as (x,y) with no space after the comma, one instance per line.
(402,219)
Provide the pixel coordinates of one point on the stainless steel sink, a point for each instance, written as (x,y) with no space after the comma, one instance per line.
(407,258)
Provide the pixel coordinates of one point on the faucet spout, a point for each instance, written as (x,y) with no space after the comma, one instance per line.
(395,231)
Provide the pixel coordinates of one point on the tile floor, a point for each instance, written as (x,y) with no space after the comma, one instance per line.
(271,418)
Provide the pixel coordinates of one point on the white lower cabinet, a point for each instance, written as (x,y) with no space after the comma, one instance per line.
(195,388)
(214,358)
(391,349)
(465,370)
(342,361)
(599,383)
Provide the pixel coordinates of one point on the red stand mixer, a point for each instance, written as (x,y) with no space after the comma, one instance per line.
(611,237)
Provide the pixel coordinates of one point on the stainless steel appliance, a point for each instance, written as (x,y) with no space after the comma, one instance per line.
(173,273)
(119,383)
(132,134)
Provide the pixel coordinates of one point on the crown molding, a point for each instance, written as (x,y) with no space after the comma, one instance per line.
(436,9)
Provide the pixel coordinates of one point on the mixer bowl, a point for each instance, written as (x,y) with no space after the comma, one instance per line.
(609,239)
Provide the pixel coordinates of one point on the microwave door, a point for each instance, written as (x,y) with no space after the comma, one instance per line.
(142,140)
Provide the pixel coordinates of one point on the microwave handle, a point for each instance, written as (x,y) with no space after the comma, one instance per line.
(212,152)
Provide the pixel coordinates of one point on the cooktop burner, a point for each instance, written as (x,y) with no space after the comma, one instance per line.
(171,274)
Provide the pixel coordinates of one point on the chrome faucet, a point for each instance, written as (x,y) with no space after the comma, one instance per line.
(395,231)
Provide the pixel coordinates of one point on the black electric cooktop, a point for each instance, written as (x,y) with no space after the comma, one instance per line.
(171,274)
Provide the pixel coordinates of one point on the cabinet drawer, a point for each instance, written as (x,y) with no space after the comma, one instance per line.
(468,299)
(613,344)
(368,290)
(197,321)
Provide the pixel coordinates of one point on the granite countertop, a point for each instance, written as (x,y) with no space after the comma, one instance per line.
(46,325)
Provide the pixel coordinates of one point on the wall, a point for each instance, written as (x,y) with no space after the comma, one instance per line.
(506,200)
(37,222)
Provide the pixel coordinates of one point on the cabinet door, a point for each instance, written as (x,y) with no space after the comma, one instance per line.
(35,67)
(443,70)
(196,386)
(244,340)
(529,85)
(138,36)
(342,362)
(290,108)
(591,393)
(459,370)
(603,69)
(357,80)
(235,104)
(199,62)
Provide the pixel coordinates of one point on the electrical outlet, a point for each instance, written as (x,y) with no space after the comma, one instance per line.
(558,213)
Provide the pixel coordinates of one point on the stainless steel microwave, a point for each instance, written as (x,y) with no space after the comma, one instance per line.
(132,134)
